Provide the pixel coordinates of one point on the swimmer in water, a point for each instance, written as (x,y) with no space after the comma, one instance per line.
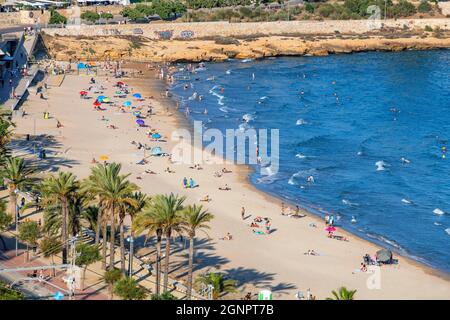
(205,111)
(253,77)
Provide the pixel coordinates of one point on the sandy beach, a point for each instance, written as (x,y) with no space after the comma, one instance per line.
(274,261)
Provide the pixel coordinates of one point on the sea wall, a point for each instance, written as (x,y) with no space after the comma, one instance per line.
(195,30)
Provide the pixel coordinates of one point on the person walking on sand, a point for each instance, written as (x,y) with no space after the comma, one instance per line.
(243,213)
(283,208)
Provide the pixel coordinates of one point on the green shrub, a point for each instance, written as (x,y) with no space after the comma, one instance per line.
(428,29)
(403,9)
(56,18)
(90,16)
(326,10)
(424,6)
(309,7)
(106,15)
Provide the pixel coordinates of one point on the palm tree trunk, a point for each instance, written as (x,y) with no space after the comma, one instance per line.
(83,277)
(27,254)
(3,243)
(64,230)
(166,262)
(12,203)
(53,264)
(158,264)
(122,247)
(98,228)
(191,265)
(112,239)
(105,237)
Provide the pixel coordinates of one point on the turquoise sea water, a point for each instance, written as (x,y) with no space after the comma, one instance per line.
(369,127)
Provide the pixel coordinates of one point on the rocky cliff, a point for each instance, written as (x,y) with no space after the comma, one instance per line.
(219,49)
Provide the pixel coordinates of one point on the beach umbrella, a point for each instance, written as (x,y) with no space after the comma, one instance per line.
(330,229)
(81,66)
(83,93)
(119,92)
(137,96)
(156,151)
(127,104)
(106,100)
(140,122)
(100,98)
(104,158)
(384,255)
(120,83)
(97,104)
(156,136)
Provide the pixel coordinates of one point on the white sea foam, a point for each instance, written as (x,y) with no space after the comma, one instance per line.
(300,156)
(228,72)
(448,231)
(300,122)
(219,97)
(381,165)
(406,201)
(351,204)
(438,211)
(246,60)
(248,117)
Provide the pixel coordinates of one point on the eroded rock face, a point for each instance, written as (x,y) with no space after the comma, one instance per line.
(142,49)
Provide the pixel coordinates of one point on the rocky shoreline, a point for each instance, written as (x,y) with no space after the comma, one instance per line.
(135,48)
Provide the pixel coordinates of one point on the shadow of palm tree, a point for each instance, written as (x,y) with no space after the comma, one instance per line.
(55,157)
(258,279)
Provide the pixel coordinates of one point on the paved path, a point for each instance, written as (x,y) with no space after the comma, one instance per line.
(42,290)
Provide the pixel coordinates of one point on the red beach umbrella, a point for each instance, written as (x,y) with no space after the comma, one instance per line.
(330,229)
(83,93)
(97,104)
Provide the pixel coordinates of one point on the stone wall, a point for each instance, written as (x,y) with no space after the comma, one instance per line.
(191,30)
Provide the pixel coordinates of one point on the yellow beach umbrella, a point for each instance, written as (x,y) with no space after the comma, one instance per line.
(104,158)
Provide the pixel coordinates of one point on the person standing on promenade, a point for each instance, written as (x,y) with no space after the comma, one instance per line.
(243,213)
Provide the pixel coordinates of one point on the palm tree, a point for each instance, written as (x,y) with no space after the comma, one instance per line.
(218,282)
(5,134)
(148,220)
(111,276)
(59,190)
(195,218)
(140,201)
(342,294)
(114,190)
(168,209)
(18,176)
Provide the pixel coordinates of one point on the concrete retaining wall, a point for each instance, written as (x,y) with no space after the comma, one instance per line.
(166,31)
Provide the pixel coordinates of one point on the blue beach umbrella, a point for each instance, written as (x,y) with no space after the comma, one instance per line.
(100,98)
(156,151)
(127,104)
(156,136)
(140,122)
(137,95)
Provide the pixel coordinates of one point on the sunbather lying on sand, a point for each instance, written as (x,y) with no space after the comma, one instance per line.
(226,188)
(168,170)
(148,171)
(227,237)
(111,126)
(224,170)
(217,174)
(254,225)
(341,238)
(311,253)
(258,232)
(206,199)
